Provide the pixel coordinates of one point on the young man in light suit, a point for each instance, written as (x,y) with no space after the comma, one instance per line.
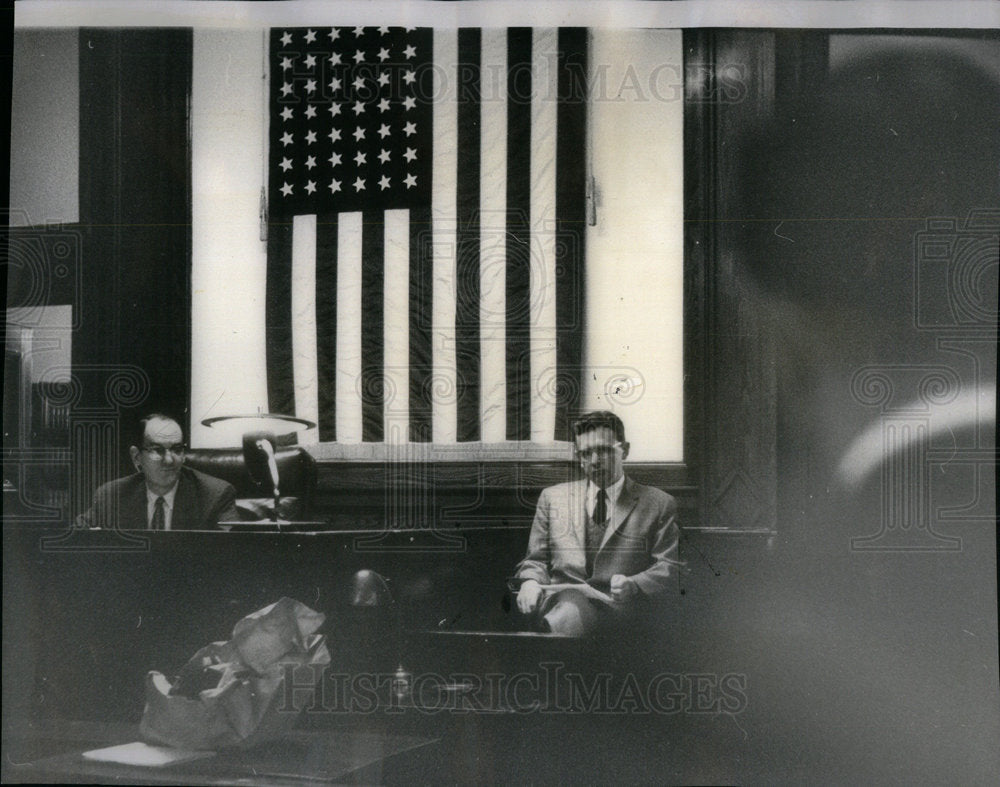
(162,494)
(604,532)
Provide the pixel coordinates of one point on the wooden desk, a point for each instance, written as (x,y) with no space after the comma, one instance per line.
(51,752)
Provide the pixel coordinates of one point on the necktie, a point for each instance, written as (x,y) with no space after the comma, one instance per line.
(595,528)
(159,521)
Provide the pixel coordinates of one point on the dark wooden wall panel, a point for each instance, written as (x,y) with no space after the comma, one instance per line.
(132,351)
(730,374)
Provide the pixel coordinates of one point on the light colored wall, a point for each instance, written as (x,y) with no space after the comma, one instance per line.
(228,259)
(635,253)
(45,128)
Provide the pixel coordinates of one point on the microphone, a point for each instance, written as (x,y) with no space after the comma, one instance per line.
(272,465)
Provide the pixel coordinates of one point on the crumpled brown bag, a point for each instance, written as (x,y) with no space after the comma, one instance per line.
(232,693)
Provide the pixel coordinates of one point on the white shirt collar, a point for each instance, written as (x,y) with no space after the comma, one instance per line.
(614,492)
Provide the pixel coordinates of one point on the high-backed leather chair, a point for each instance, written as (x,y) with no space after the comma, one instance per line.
(255,500)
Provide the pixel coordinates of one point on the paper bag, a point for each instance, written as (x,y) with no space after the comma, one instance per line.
(233,693)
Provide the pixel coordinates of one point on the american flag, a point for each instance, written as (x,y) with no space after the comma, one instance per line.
(425,244)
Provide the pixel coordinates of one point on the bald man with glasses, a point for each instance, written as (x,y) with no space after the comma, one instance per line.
(603,533)
(162,494)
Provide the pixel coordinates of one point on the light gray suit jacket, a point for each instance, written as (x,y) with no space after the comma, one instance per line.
(642,545)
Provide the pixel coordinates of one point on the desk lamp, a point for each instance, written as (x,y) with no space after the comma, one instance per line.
(260,438)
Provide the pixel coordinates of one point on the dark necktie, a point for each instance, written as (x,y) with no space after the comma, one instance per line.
(159,520)
(595,528)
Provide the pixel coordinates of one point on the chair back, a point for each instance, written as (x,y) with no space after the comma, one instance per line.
(296,476)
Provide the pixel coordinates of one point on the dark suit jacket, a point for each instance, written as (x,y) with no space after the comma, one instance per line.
(642,546)
(200,504)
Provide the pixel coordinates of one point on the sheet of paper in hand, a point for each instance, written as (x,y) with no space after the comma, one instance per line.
(588,590)
(231,693)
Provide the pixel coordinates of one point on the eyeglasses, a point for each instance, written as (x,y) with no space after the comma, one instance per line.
(599,451)
(160,451)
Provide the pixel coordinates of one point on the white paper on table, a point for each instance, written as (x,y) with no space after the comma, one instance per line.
(139,753)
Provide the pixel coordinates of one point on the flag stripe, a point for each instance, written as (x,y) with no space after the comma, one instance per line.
(570,223)
(278,319)
(492,236)
(519,91)
(326,324)
(303,315)
(397,329)
(467,247)
(349,428)
(420,314)
(372,326)
(444,382)
(543,208)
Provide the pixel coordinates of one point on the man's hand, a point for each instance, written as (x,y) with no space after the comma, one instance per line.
(527,596)
(622,588)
